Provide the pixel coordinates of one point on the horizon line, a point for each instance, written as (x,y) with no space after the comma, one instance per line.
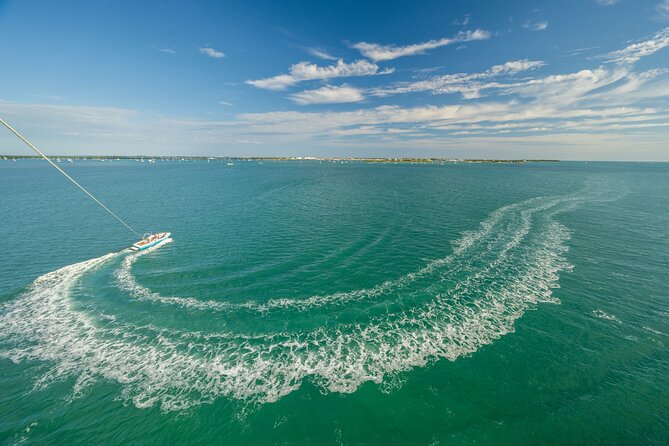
(328,158)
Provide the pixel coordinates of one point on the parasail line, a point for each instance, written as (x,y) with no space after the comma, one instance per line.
(68,177)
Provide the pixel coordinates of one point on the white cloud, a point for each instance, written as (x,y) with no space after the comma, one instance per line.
(514,66)
(305,71)
(328,95)
(320,54)
(443,119)
(377,52)
(632,53)
(229,104)
(587,105)
(606,2)
(464,22)
(211,52)
(468,84)
(566,91)
(167,50)
(536,26)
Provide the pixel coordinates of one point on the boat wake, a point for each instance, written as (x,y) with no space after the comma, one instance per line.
(470,248)
(449,308)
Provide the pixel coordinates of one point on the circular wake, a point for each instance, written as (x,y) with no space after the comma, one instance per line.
(449,308)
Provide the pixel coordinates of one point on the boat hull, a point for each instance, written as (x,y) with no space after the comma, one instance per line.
(139,246)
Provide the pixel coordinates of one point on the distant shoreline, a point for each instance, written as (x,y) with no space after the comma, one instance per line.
(282,158)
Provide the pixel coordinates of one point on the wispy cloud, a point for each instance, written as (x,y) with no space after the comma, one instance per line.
(582,108)
(606,2)
(632,53)
(536,26)
(61,128)
(167,50)
(464,22)
(588,108)
(663,9)
(229,104)
(467,84)
(377,52)
(212,52)
(491,118)
(328,95)
(578,51)
(50,97)
(321,54)
(305,71)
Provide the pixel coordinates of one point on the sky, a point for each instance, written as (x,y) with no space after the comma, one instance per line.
(574,80)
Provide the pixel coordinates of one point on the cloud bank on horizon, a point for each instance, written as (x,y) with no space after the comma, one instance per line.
(464,81)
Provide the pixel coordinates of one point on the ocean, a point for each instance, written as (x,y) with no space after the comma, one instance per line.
(335,304)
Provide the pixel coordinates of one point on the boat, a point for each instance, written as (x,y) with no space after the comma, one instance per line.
(150,240)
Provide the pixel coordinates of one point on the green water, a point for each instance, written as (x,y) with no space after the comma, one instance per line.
(323,303)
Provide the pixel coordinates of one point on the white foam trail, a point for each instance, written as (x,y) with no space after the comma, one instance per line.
(179,369)
(604,315)
(652,330)
(470,240)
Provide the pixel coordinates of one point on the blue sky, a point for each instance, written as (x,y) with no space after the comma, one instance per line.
(584,79)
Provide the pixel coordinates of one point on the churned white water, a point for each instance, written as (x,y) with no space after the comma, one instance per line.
(462,302)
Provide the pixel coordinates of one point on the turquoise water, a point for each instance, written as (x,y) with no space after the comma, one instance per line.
(325,303)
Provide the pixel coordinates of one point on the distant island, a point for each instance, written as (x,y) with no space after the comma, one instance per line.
(281,158)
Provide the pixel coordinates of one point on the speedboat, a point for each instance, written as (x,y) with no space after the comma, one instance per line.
(150,240)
